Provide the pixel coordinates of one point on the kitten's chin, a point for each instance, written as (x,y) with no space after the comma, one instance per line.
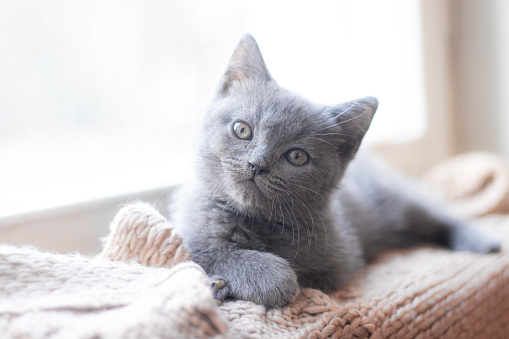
(249,196)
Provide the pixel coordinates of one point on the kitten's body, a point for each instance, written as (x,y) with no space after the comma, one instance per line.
(261,226)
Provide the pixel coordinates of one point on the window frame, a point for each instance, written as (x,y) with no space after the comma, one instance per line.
(439,140)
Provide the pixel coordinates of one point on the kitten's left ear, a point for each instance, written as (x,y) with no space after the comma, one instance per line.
(352,120)
(245,63)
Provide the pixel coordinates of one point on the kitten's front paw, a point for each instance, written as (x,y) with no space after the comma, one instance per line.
(260,277)
(220,288)
(272,282)
(282,291)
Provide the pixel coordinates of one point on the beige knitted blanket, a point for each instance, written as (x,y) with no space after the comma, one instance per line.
(143,286)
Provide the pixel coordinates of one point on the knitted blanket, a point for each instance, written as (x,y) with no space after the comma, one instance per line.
(143,286)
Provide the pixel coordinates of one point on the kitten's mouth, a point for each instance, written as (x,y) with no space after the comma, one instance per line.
(248,181)
(251,183)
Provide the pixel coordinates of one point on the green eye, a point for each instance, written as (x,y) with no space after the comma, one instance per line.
(297,157)
(242,130)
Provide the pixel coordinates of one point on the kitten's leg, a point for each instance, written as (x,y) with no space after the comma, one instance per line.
(261,277)
(414,221)
(432,224)
(390,210)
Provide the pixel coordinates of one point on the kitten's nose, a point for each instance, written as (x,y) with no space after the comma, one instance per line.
(256,169)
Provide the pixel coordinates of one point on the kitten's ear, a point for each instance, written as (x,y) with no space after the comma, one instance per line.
(245,63)
(352,120)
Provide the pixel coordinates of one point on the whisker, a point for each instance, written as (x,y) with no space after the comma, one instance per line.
(360,115)
(275,215)
(326,142)
(298,226)
(309,189)
(206,191)
(334,124)
(310,215)
(165,191)
(208,148)
(298,229)
(324,231)
(291,221)
(270,215)
(216,188)
(283,216)
(349,108)
(336,133)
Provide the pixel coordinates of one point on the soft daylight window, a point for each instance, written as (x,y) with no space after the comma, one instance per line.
(98,98)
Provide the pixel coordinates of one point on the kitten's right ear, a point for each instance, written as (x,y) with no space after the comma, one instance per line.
(352,121)
(245,63)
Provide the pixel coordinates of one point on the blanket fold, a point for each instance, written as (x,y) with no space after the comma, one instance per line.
(48,295)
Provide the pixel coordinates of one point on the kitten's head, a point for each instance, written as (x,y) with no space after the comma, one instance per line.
(264,146)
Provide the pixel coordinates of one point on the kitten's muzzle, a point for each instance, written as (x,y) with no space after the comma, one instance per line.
(256,169)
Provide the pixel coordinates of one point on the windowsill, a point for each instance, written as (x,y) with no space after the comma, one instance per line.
(82,171)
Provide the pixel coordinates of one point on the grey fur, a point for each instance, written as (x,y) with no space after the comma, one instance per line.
(260,234)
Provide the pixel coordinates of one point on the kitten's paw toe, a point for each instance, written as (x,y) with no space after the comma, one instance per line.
(495,248)
(217,284)
(485,246)
(219,287)
(491,246)
(476,240)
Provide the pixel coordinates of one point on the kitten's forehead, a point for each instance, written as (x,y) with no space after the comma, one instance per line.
(280,118)
(281,115)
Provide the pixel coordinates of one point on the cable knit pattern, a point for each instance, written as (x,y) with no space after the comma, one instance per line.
(49,295)
(140,233)
(143,286)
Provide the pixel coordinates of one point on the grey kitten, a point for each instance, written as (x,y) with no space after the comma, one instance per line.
(278,202)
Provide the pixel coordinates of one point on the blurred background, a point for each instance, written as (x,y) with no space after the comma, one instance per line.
(99,100)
